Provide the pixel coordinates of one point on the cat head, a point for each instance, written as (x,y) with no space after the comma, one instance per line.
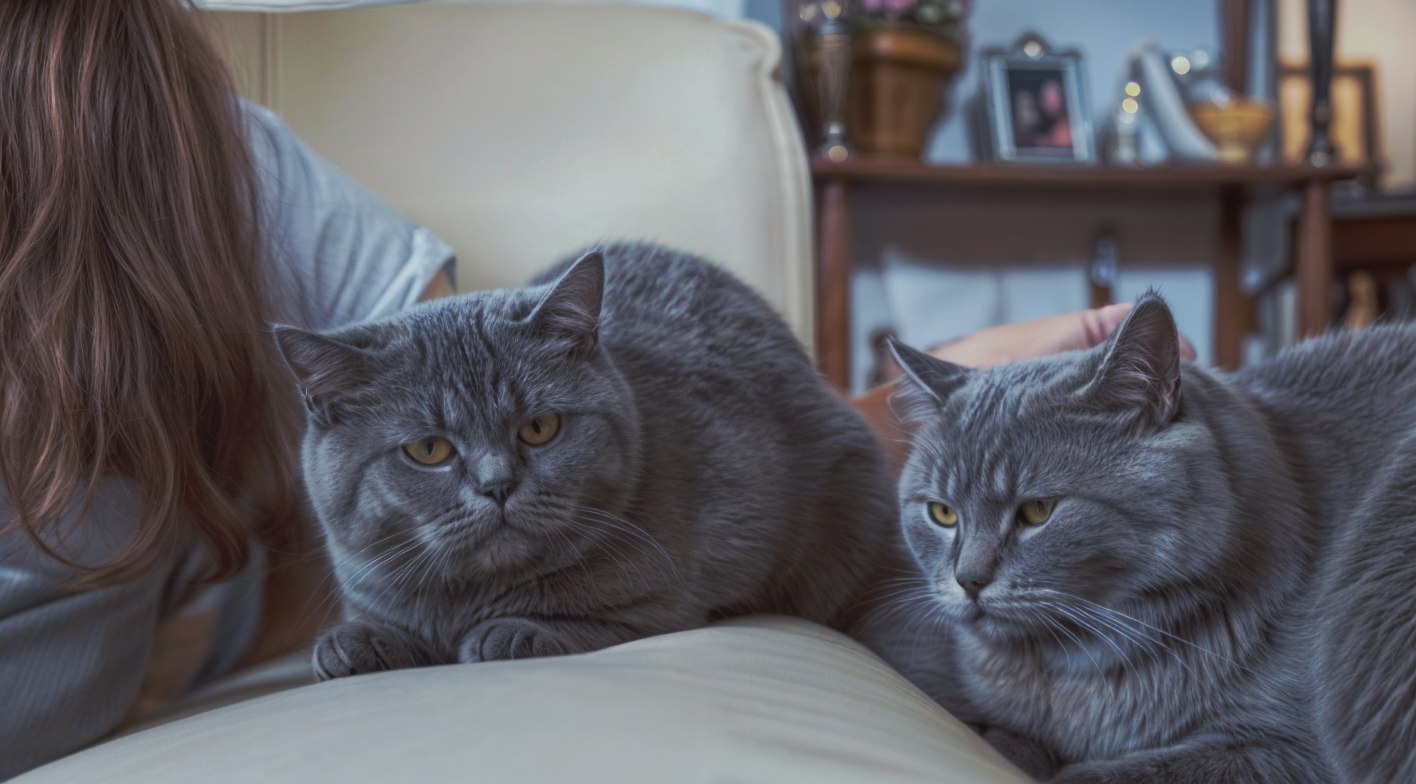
(1038,487)
(465,436)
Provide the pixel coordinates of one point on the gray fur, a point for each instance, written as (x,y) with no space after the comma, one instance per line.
(1225,589)
(702,468)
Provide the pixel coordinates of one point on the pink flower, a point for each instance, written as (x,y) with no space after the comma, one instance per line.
(900,5)
(872,5)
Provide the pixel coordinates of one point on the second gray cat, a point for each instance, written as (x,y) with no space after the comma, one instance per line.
(634,444)
(1143,571)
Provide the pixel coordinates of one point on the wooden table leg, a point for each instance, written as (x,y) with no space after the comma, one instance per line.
(1229,301)
(1314,261)
(833,284)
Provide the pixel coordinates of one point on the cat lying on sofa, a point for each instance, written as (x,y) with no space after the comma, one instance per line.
(633,444)
(1149,572)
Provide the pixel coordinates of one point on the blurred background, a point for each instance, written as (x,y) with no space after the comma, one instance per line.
(955,164)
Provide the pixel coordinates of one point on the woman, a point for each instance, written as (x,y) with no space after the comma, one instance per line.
(151,227)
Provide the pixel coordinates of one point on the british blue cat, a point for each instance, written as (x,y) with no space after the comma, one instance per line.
(633,444)
(1145,571)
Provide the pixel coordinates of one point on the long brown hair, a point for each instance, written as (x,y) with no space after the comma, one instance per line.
(133,307)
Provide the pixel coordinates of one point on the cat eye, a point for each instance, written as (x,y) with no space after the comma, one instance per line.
(1036,511)
(943,515)
(539,430)
(429,451)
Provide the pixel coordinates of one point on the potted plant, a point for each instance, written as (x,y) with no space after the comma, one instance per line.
(904,52)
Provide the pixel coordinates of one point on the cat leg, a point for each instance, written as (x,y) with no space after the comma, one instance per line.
(1364,670)
(359,647)
(1205,763)
(523,638)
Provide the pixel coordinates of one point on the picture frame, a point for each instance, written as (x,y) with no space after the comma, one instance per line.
(1354,128)
(1037,107)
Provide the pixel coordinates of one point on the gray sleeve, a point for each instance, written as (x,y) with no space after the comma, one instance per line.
(71,663)
(339,253)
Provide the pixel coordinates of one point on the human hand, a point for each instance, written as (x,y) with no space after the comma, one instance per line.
(1040,337)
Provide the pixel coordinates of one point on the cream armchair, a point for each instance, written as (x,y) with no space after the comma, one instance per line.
(520,133)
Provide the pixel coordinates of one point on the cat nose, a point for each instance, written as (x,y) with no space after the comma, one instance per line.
(973,584)
(498,490)
(495,478)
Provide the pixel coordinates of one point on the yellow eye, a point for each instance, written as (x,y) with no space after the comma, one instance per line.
(540,430)
(1037,511)
(429,451)
(943,515)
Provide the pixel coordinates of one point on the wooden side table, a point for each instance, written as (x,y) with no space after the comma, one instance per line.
(836,182)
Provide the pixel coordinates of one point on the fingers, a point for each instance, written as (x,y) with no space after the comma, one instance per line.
(1099,323)
(1041,337)
(1186,350)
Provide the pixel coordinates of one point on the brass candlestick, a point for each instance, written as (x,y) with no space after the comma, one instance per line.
(833,33)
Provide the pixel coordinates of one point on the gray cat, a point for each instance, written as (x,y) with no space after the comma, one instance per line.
(633,444)
(1144,571)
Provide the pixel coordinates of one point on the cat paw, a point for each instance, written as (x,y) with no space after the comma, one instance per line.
(358,647)
(509,638)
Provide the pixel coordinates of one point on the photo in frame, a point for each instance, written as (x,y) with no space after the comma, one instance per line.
(1353,128)
(1037,104)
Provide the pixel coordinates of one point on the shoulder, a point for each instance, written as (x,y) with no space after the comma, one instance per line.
(338,252)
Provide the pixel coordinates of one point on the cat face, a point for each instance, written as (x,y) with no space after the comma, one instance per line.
(1040,489)
(466,437)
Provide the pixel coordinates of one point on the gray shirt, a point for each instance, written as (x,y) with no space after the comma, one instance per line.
(71,664)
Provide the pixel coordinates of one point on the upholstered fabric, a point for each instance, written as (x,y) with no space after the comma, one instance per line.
(763,699)
(523,132)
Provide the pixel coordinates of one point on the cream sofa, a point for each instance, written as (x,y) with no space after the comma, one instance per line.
(519,133)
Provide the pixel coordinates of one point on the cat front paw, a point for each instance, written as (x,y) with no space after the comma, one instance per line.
(359,647)
(509,638)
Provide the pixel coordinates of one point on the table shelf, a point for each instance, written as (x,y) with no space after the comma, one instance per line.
(1229,183)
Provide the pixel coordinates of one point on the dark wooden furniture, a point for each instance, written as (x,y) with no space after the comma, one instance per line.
(1376,235)
(837,181)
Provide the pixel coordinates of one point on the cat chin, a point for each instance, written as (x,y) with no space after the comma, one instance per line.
(995,624)
(480,545)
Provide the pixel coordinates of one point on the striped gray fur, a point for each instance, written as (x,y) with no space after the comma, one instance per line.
(1225,590)
(702,468)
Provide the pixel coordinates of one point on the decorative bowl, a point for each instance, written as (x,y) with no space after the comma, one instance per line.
(1237,126)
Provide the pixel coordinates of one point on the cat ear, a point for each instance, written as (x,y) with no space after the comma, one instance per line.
(571,311)
(928,381)
(1141,370)
(335,373)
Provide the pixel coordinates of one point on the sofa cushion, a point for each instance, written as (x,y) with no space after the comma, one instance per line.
(768,699)
(523,132)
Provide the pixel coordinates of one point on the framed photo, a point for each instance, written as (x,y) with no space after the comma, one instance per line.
(1354,113)
(1037,104)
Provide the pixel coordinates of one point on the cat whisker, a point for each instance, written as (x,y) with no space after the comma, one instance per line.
(1074,638)
(1136,637)
(604,541)
(306,612)
(578,559)
(615,521)
(1088,624)
(1157,630)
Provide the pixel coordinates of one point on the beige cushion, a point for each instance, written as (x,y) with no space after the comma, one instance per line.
(763,699)
(523,132)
